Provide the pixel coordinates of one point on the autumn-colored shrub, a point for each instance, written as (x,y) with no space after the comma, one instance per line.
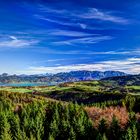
(97,114)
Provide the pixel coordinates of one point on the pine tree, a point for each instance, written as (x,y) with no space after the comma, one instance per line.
(104,137)
(102,126)
(115,130)
(72,135)
(99,136)
(51,137)
(14,127)
(134,132)
(5,133)
(129,135)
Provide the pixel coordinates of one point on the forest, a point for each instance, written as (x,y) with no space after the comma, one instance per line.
(70,111)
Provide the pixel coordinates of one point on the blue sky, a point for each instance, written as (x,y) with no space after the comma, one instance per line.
(50,36)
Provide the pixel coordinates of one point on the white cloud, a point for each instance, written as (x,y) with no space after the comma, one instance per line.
(94,13)
(83,26)
(54,60)
(60,60)
(84,40)
(130,65)
(65,23)
(69,33)
(78,18)
(55,21)
(13,37)
(89,13)
(14,42)
(134,52)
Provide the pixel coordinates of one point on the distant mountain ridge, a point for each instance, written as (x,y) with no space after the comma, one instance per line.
(87,75)
(61,77)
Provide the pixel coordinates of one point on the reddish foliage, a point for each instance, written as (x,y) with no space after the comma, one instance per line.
(17,108)
(138,117)
(97,114)
(27,100)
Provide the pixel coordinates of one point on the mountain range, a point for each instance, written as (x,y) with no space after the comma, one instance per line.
(61,77)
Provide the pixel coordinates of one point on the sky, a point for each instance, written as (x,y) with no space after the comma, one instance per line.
(51,36)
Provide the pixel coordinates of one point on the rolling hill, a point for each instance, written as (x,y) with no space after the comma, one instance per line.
(125,80)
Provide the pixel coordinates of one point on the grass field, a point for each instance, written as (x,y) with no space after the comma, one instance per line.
(86,92)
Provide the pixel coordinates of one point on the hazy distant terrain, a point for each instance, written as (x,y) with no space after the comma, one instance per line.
(60,77)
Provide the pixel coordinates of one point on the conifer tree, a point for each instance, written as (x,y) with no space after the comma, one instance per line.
(14,127)
(129,135)
(5,133)
(104,137)
(115,130)
(102,126)
(134,132)
(72,135)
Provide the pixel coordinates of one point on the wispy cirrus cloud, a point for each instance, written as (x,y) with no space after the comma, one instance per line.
(70,33)
(94,13)
(84,40)
(61,22)
(60,60)
(14,42)
(131,52)
(84,19)
(87,13)
(75,19)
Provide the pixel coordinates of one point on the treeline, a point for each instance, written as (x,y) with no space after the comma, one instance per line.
(40,119)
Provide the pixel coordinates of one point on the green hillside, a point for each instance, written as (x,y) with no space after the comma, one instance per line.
(90,110)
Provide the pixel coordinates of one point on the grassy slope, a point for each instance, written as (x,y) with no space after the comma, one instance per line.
(82,92)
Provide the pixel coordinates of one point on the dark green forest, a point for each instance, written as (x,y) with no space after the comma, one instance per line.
(71,111)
